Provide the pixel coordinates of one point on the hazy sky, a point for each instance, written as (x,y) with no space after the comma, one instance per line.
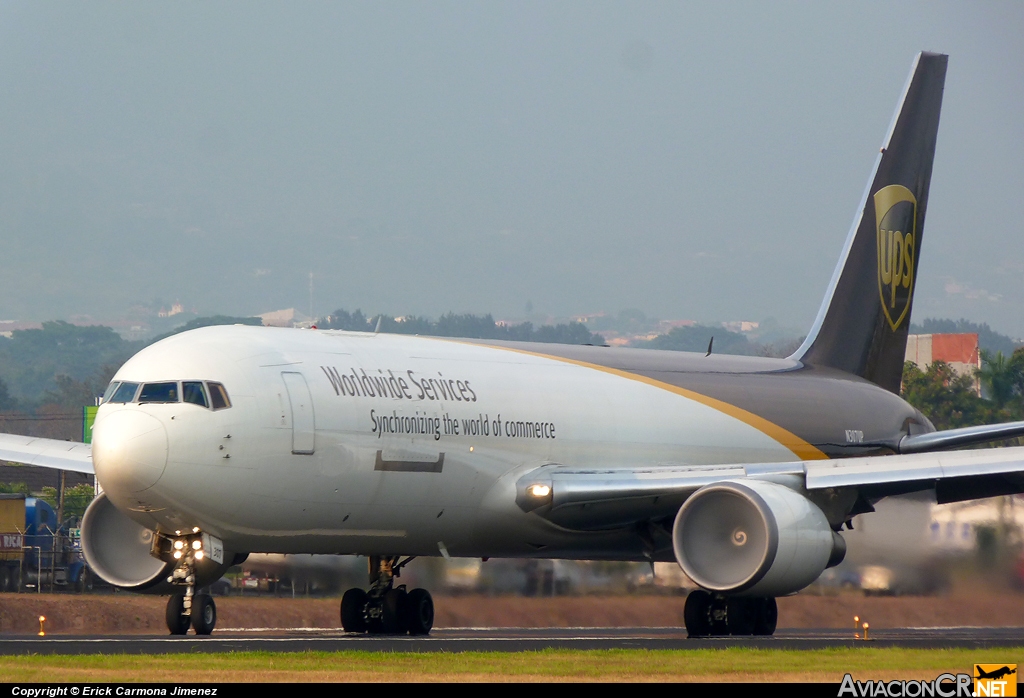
(693,160)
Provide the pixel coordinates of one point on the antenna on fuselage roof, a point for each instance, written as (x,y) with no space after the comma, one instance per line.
(709,345)
(377,328)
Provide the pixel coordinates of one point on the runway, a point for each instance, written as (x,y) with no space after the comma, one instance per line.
(502,640)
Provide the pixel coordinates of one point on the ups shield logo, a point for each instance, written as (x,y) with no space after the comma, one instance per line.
(896,221)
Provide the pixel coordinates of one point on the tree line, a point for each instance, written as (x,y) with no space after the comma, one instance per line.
(48,374)
(951,400)
(462,325)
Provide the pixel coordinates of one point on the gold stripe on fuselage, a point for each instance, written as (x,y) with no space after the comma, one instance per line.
(801,448)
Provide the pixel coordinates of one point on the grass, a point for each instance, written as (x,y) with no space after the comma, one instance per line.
(730,664)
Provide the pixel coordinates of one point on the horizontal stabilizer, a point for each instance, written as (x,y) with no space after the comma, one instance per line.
(46,453)
(967,436)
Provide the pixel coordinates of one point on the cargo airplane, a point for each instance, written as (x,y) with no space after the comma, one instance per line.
(224,441)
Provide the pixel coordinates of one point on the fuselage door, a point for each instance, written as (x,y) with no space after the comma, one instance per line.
(303,424)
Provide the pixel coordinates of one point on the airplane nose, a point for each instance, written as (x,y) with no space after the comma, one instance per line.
(129,450)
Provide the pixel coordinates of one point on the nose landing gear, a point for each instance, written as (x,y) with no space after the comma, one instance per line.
(708,615)
(386,608)
(188,608)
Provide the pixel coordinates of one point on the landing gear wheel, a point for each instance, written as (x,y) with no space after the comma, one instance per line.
(696,613)
(420,609)
(393,615)
(204,614)
(177,622)
(767,616)
(353,603)
(741,615)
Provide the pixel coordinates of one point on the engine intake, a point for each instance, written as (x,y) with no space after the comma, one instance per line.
(753,538)
(119,550)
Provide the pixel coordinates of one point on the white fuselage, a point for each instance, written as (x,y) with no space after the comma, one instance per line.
(355,465)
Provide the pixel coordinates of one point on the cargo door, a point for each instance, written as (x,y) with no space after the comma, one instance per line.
(303,424)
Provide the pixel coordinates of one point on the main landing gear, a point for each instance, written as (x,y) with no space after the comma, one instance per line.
(709,614)
(386,608)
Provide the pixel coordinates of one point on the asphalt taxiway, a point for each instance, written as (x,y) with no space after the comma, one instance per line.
(503,640)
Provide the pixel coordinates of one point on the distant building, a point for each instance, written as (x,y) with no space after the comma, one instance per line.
(279,318)
(960,351)
(289,317)
(614,339)
(131,331)
(176,309)
(666,326)
(741,325)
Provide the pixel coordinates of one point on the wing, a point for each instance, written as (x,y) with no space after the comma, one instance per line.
(48,453)
(592,499)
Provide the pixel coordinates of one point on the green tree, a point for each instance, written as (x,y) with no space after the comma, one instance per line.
(76,499)
(463,325)
(15,488)
(31,360)
(7,402)
(209,321)
(696,338)
(948,399)
(1003,376)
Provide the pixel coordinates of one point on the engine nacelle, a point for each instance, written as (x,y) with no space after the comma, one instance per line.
(753,538)
(118,550)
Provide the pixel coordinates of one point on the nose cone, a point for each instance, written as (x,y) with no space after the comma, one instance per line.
(129,450)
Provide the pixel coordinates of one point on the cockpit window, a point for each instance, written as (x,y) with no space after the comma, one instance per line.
(111,389)
(194,392)
(218,396)
(125,392)
(159,392)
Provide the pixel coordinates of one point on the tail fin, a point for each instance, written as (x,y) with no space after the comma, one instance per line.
(863,323)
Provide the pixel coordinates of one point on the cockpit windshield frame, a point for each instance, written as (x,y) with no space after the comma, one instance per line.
(160,392)
(125,392)
(209,395)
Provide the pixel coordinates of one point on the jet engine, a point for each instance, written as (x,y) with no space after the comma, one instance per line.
(118,550)
(753,538)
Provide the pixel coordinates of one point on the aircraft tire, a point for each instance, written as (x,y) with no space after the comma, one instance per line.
(353,603)
(767,616)
(177,623)
(696,613)
(204,614)
(742,615)
(394,616)
(420,612)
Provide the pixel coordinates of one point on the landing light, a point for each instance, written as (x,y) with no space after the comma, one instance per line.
(177,554)
(178,545)
(196,545)
(199,554)
(539,490)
